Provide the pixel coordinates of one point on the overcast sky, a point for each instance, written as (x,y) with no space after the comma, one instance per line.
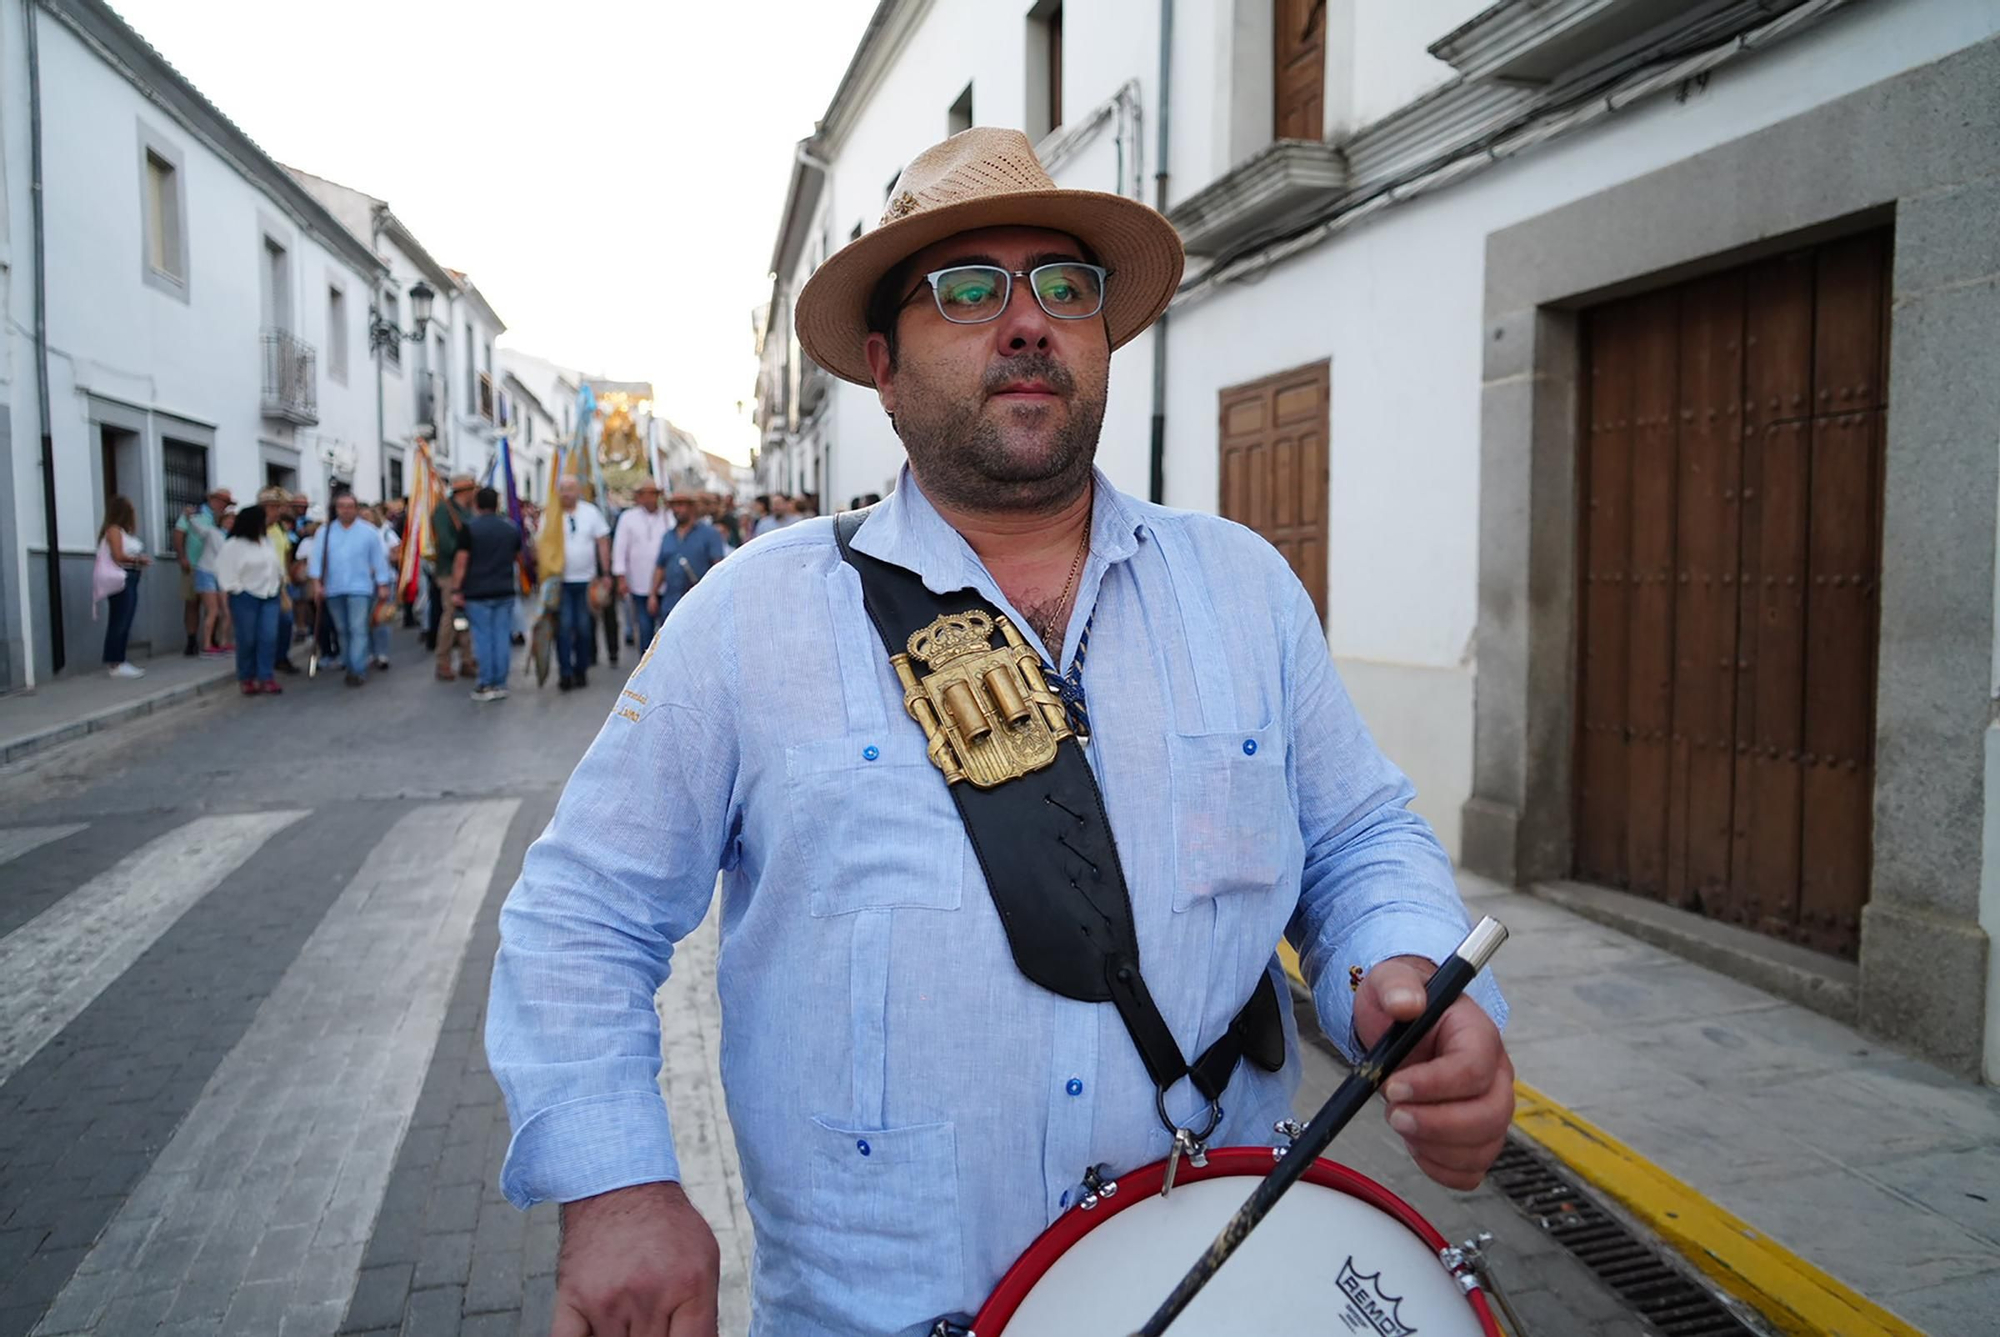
(608,171)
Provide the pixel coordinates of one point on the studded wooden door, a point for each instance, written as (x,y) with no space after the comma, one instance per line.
(1299,56)
(1273,467)
(1729,555)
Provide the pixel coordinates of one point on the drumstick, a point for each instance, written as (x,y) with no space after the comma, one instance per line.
(1387,1055)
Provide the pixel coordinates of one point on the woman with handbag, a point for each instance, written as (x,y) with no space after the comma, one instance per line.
(251,576)
(121,556)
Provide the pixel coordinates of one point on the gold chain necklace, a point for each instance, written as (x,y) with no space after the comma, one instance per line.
(1075,566)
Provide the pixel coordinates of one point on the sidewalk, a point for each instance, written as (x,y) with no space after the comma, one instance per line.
(85,700)
(1876,1167)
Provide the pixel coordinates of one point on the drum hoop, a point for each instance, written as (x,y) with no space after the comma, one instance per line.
(1136,1186)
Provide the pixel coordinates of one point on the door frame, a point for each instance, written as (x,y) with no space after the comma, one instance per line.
(1873,156)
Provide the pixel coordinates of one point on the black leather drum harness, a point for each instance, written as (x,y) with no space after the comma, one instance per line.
(1031,807)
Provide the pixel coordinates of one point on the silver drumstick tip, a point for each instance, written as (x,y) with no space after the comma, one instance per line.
(1482,942)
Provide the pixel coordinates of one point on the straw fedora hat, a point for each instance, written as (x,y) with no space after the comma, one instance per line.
(979,178)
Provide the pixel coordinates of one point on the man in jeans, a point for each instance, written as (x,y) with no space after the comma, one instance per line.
(350,574)
(483,576)
(586,551)
(634,547)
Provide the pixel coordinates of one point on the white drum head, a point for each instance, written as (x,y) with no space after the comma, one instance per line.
(1321,1262)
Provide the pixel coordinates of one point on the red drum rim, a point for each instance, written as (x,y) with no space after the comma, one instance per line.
(1136,1186)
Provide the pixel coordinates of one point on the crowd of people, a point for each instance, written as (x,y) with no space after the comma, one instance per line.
(247,590)
(258,580)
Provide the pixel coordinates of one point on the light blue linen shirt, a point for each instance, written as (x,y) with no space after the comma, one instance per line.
(352,558)
(910,1110)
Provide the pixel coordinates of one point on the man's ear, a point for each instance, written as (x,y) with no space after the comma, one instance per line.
(882,367)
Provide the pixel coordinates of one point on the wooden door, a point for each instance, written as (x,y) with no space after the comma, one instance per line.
(1274,467)
(1729,569)
(1299,42)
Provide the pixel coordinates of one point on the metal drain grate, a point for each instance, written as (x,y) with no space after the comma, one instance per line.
(1661,1293)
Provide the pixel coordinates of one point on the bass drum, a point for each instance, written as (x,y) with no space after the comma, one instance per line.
(1339,1254)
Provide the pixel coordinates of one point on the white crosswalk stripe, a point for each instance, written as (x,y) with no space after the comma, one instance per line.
(57,963)
(18,840)
(297,1130)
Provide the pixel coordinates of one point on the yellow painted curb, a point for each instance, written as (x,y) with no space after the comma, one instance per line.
(1791,1293)
(1796,1297)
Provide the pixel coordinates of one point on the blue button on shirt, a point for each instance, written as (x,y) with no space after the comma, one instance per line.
(901,1093)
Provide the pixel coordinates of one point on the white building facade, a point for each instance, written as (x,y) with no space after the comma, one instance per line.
(200,319)
(1451,262)
(474,392)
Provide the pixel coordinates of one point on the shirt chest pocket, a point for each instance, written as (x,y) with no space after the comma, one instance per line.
(886,1205)
(1234,826)
(875,825)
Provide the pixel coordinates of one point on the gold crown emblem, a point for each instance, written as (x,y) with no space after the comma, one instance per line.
(953,636)
(902,206)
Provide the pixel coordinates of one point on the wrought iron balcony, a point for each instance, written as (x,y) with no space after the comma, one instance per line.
(814,383)
(429,406)
(291,380)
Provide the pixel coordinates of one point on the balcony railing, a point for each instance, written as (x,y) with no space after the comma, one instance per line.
(814,382)
(291,380)
(428,384)
(485,396)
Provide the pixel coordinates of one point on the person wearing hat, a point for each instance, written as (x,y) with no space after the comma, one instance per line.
(450,525)
(202,537)
(911,1108)
(689,549)
(635,542)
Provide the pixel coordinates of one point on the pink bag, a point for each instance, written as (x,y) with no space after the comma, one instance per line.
(106,577)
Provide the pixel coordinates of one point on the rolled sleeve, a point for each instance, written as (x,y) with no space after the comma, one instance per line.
(1376,882)
(588,1146)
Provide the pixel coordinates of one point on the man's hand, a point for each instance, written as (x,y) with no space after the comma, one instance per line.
(1454,1096)
(636,1261)
(624,589)
(653,604)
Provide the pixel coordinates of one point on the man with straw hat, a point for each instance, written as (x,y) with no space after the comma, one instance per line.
(451,521)
(919,1073)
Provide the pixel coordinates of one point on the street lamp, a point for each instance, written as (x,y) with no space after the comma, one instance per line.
(382,333)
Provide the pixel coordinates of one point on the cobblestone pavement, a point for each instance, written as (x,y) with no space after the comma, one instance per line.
(244,955)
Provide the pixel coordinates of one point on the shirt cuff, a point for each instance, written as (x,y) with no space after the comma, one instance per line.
(593,1145)
(1369,946)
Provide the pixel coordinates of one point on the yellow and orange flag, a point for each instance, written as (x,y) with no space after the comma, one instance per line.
(418,542)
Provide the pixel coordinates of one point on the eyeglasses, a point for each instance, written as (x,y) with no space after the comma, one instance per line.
(975,294)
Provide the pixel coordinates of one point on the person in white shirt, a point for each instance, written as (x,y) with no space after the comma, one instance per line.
(633,548)
(120,548)
(250,573)
(586,553)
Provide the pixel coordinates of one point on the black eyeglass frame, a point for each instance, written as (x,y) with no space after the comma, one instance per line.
(932,279)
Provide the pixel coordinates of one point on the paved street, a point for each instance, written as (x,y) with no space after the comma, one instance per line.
(242,1085)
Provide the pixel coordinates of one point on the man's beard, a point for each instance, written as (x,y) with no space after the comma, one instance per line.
(961,456)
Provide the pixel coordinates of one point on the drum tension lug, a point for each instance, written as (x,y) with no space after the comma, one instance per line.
(1185,1144)
(947,1328)
(1096,1187)
(1288,1131)
(1467,1261)
(1472,1265)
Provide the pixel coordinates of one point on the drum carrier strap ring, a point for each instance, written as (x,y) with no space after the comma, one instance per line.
(1039,830)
